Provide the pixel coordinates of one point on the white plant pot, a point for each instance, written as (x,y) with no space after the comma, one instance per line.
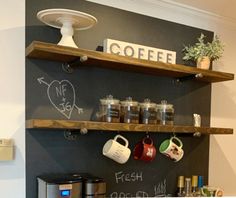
(203,62)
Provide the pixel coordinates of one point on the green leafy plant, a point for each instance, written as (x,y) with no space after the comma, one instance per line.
(213,50)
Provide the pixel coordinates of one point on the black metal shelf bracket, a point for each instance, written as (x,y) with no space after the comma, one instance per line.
(190,77)
(72,135)
(197,134)
(68,67)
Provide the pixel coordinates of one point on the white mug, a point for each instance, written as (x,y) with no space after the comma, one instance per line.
(171,149)
(116,151)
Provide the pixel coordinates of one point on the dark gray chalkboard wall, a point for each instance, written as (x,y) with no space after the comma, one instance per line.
(49,152)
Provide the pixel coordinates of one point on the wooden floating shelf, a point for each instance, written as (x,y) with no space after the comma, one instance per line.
(53,52)
(104,126)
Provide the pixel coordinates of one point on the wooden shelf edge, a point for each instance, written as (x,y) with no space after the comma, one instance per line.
(104,126)
(54,52)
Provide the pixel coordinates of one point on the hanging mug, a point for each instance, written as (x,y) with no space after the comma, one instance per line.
(172,148)
(116,151)
(145,150)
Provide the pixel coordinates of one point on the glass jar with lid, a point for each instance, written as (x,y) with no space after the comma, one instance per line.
(165,113)
(129,111)
(110,109)
(148,112)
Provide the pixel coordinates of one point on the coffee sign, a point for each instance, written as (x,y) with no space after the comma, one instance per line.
(138,51)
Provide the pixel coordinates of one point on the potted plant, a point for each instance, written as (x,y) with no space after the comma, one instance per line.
(204,53)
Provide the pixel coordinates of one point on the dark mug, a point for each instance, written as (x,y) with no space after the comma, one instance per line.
(145,150)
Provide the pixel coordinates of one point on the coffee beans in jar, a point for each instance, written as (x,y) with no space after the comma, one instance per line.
(109,109)
(165,113)
(129,111)
(148,112)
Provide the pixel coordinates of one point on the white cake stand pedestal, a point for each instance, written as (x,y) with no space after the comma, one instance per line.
(67,21)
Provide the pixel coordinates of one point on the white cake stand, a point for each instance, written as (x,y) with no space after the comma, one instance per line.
(67,21)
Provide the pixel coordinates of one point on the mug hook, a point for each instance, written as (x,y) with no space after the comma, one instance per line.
(147,134)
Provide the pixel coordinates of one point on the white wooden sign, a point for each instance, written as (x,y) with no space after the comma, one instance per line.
(138,51)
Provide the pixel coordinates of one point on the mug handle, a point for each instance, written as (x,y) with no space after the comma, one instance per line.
(178,140)
(124,139)
(148,138)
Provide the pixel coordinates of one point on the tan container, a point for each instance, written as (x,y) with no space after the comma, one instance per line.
(148,112)
(109,109)
(165,113)
(129,111)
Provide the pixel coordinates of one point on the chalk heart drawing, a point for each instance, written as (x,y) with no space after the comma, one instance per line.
(62,96)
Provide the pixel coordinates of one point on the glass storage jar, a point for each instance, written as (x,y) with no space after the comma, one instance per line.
(165,113)
(148,112)
(129,111)
(110,109)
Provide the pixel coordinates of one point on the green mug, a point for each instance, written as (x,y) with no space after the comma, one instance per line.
(172,148)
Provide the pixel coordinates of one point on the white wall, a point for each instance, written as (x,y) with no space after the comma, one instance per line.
(222,169)
(222,165)
(12,100)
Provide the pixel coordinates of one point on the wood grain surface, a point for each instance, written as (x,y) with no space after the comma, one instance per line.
(53,52)
(105,126)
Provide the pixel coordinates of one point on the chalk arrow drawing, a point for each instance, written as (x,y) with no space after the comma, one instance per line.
(62,96)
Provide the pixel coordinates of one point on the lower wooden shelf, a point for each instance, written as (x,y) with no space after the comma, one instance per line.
(104,126)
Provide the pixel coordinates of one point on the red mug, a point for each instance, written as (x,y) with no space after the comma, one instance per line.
(145,150)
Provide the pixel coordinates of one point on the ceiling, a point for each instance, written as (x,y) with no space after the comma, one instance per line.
(224,8)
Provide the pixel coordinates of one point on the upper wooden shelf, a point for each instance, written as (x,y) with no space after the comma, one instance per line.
(53,52)
(105,126)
